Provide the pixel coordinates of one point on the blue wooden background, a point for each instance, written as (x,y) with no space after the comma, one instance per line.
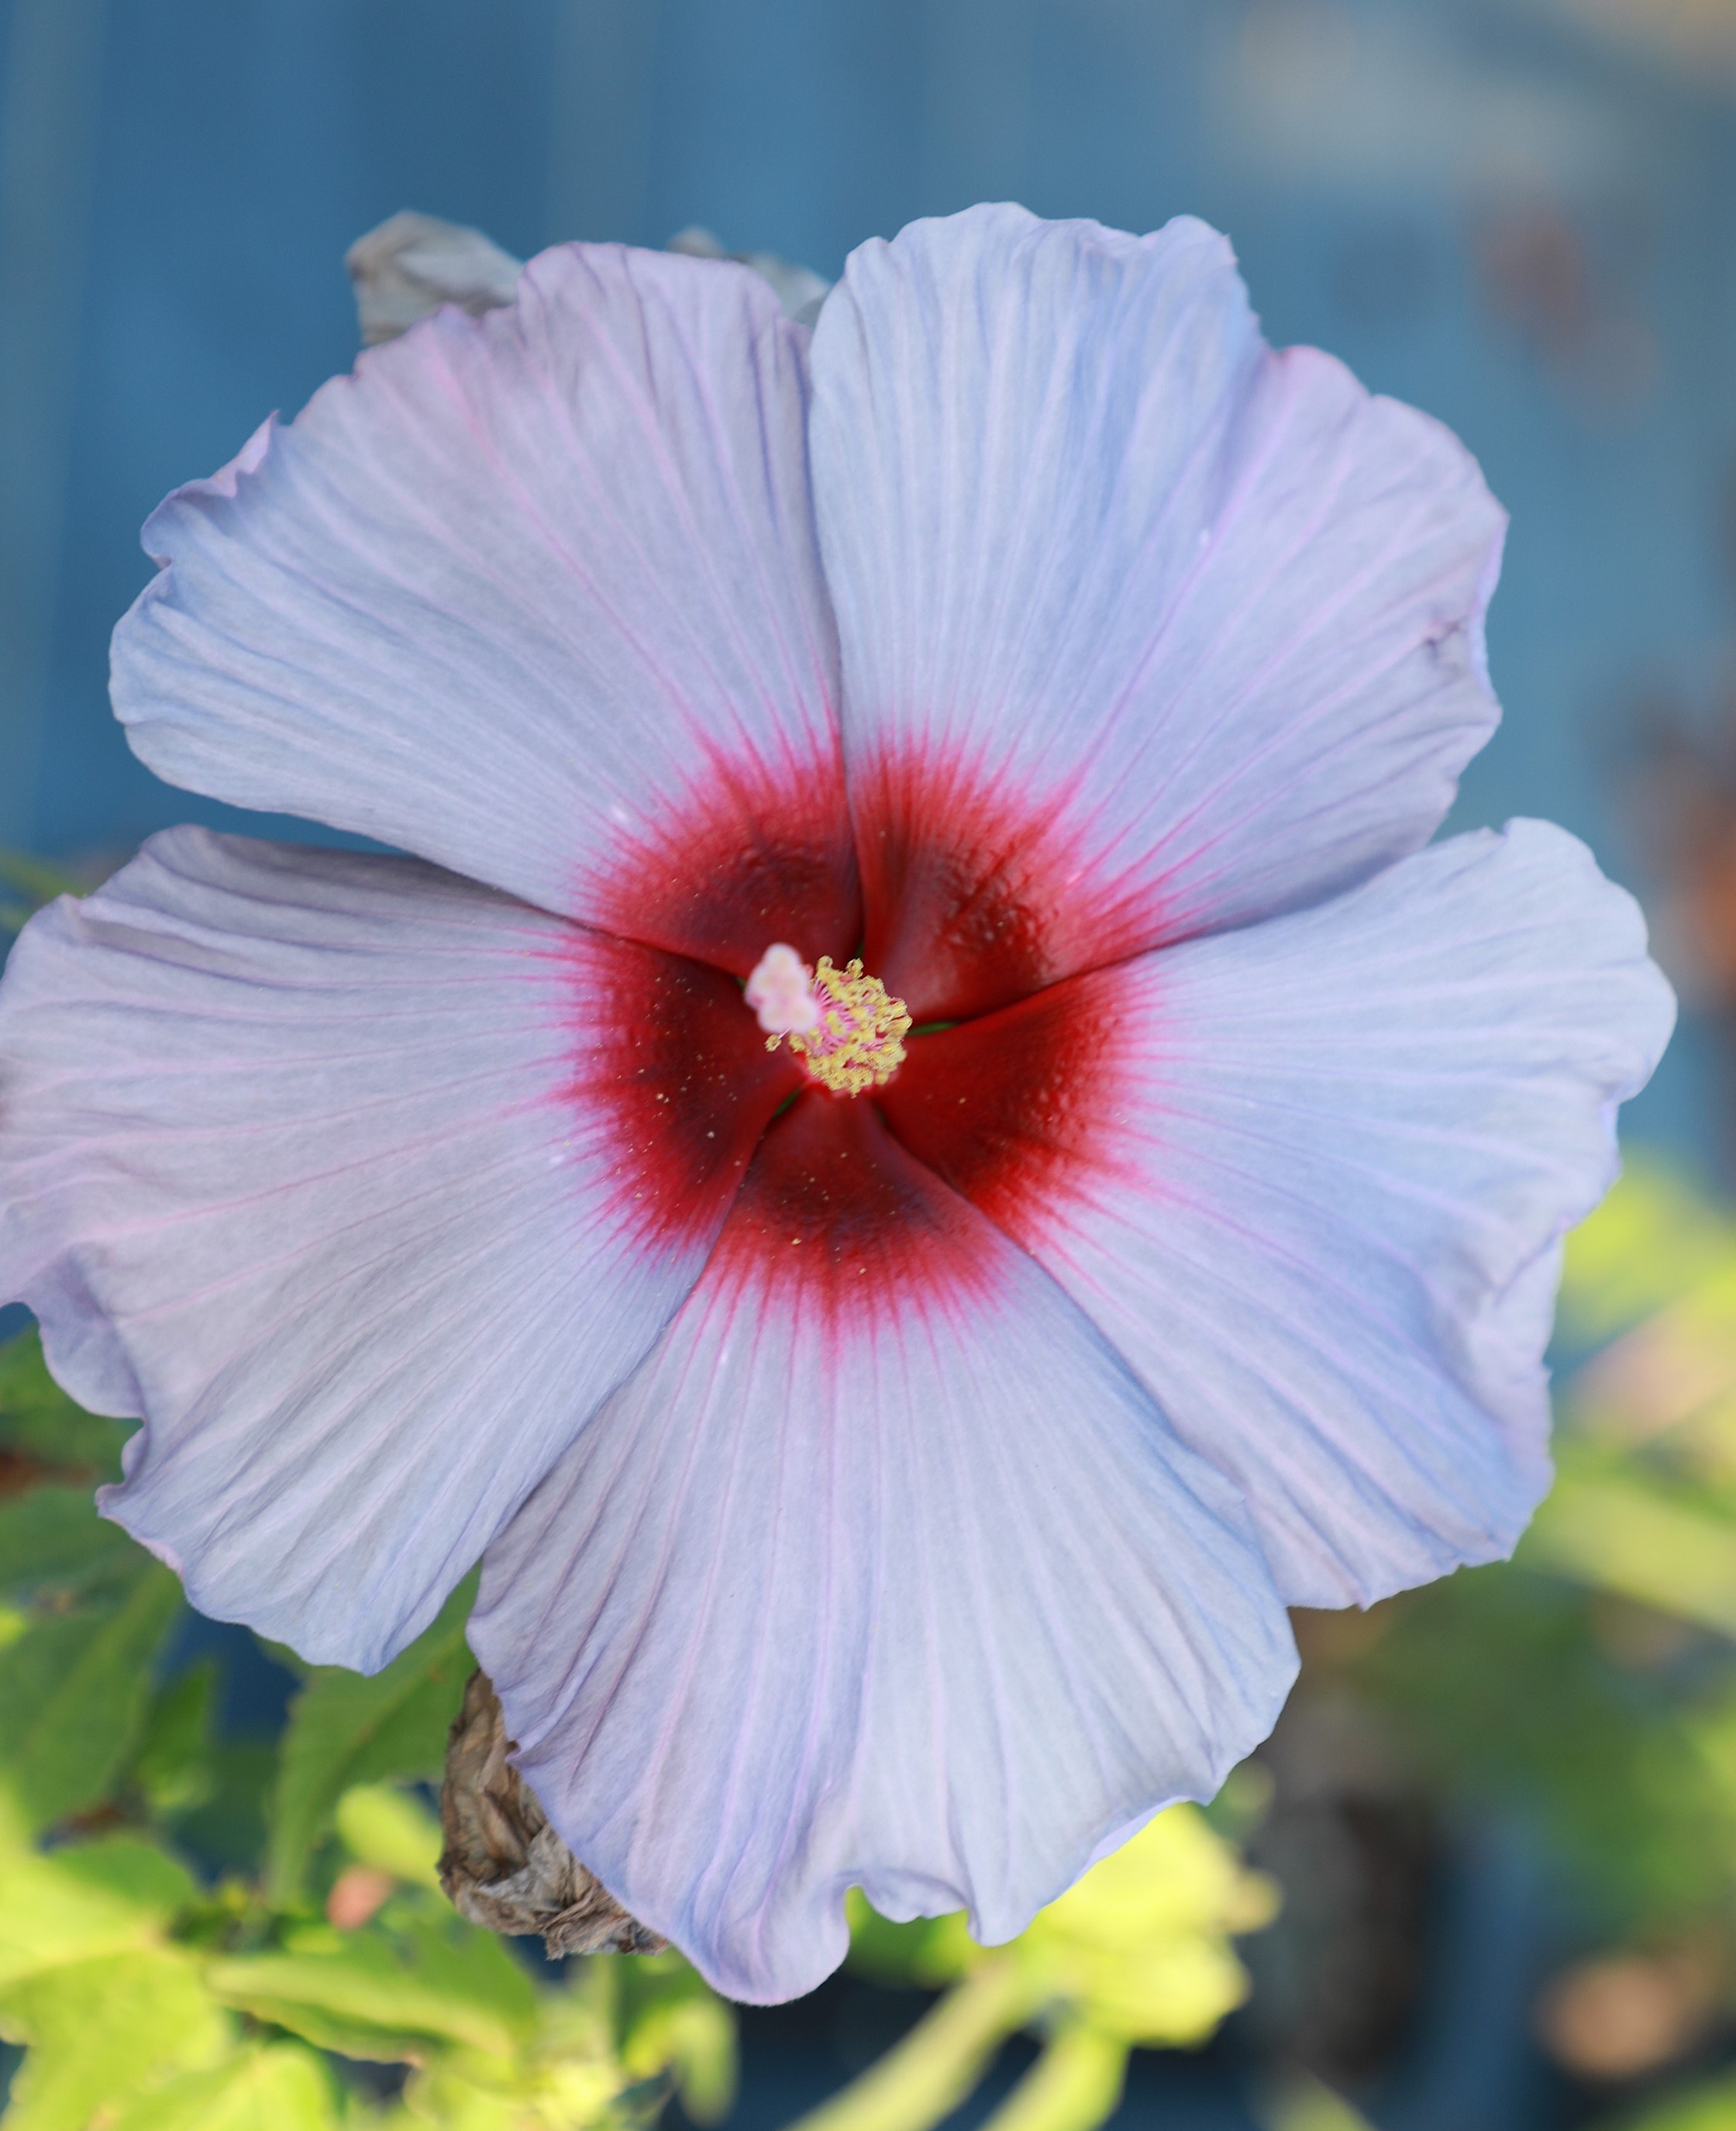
(1484,207)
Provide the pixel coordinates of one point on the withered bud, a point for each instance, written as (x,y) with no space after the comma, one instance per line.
(503,1865)
(412,264)
(799,288)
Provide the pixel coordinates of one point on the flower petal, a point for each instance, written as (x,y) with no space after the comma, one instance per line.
(360,1183)
(1312,1182)
(1209,618)
(516,590)
(881,1572)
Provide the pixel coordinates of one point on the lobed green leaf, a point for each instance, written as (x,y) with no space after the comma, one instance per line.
(74,1688)
(174,1762)
(51,1532)
(91,1900)
(388,1996)
(393,1833)
(278,2086)
(38,1420)
(347,1728)
(98,2030)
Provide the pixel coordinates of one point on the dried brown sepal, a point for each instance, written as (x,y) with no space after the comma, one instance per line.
(503,1865)
(405,269)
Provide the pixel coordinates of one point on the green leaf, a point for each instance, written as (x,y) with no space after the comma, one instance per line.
(672,2021)
(1621,1533)
(277,2087)
(347,1728)
(39,1421)
(225,1829)
(925,1952)
(331,2027)
(95,1898)
(74,1688)
(52,1533)
(383,1827)
(442,2095)
(173,1764)
(386,1994)
(1139,1947)
(1655,1239)
(98,2030)
(1502,1683)
(128,1869)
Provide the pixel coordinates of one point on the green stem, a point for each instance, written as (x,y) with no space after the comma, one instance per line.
(925,2076)
(1073,2086)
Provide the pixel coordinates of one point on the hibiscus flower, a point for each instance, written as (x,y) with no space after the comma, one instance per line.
(888,1469)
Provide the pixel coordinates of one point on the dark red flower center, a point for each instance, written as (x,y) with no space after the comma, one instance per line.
(970,907)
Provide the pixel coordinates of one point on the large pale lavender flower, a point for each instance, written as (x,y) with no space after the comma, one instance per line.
(901,1487)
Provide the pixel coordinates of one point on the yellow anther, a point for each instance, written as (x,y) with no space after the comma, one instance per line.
(857,1041)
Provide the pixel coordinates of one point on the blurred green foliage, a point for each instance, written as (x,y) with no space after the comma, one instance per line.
(1590,1685)
(1592,1680)
(1709,2107)
(1137,1952)
(347,1728)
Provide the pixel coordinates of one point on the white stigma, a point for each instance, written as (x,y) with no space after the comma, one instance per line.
(781,992)
(842,1024)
